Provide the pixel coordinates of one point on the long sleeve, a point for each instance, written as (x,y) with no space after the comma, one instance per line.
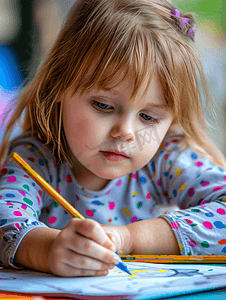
(21,201)
(198,188)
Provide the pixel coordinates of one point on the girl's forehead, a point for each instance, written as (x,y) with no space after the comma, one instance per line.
(148,92)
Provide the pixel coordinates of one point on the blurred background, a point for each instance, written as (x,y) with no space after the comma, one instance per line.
(28,29)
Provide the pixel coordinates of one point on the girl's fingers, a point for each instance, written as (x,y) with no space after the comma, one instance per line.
(69,271)
(87,247)
(93,230)
(78,261)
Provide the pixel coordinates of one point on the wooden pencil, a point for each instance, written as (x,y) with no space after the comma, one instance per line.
(176,259)
(45,186)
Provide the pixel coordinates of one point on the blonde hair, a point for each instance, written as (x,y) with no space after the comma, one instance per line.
(115,37)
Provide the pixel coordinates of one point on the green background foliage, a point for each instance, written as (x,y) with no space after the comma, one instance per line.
(206,11)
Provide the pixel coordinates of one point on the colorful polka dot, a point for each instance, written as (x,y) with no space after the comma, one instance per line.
(224,250)
(192,243)
(10,195)
(134,193)
(175,193)
(41,162)
(218,188)
(221,211)
(205,183)
(24,206)
(3,222)
(68,178)
(134,175)
(218,224)
(28,201)
(209,215)
(159,182)
(166,156)
(189,221)
(18,226)
(177,171)
(11,179)
(222,242)
(207,225)
(41,152)
(153,166)
(126,212)
(182,188)
(111,205)
(139,204)
(143,180)
(194,156)
(17,213)
(108,192)
(26,187)
(52,220)
(22,193)
(199,164)
(205,244)
(31,159)
(148,196)
(191,192)
(4,171)
(119,182)
(174,225)
(89,213)
(134,219)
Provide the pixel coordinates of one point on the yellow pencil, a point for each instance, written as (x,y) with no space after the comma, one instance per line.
(45,186)
(56,196)
(176,259)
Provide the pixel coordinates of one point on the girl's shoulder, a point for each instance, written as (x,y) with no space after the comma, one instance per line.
(28,144)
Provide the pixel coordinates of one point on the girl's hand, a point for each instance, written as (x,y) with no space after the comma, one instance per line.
(82,248)
(120,236)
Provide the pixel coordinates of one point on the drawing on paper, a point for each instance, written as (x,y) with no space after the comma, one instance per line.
(146,277)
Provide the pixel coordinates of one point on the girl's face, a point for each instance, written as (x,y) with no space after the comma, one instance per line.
(99,122)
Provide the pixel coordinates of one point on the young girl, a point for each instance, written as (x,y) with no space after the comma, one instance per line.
(113,120)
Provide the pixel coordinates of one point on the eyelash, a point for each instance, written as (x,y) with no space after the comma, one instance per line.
(96,103)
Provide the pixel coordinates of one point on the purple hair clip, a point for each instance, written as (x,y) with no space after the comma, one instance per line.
(176,13)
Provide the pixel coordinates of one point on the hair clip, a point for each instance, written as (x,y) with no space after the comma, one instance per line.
(176,13)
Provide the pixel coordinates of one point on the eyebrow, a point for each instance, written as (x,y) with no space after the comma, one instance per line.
(161,106)
(151,105)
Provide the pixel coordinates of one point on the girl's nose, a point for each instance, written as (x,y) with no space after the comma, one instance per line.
(123,132)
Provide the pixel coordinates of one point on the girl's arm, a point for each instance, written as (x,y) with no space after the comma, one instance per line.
(33,251)
(152,237)
(144,237)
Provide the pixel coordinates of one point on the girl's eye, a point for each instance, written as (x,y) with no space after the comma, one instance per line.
(101,106)
(150,119)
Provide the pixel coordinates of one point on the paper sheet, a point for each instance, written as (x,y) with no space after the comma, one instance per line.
(156,280)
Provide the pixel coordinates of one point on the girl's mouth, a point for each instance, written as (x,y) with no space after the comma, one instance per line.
(113,156)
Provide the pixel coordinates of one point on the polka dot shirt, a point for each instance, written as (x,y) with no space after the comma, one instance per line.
(182,187)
